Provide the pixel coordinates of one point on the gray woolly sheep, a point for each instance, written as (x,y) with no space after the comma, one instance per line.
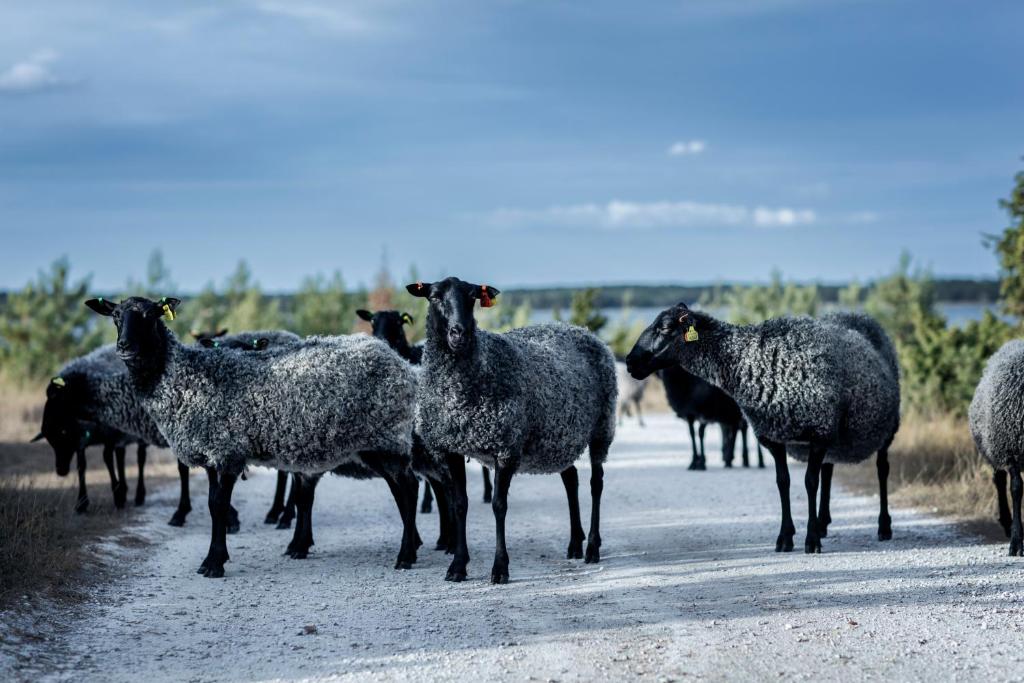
(68,435)
(996,418)
(828,390)
(530,400)
(307,408)
(631,392)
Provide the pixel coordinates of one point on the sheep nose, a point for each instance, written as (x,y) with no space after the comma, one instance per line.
(456,332)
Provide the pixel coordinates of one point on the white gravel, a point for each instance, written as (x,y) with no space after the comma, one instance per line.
(688,587)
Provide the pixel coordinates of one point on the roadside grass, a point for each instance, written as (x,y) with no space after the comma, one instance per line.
(933,466)
(45,547)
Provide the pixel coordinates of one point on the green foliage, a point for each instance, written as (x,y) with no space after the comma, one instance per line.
(322,306)
(754,303)
(583,310)
(1009,248)
(45,324)
(904,302)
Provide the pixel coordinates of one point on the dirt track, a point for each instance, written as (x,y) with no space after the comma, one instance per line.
(688,587)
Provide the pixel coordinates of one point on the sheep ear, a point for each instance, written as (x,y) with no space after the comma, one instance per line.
(419,289)
(488,295)
(365,315)
(102,306)
(208,343)
(37,437)
(261,343)
(221,332)
(407,319)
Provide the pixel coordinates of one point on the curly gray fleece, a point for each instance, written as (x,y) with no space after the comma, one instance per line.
(996,414)
(304,407)
(533,398)
(798,380)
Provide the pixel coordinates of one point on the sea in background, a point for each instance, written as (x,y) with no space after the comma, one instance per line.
(956,313)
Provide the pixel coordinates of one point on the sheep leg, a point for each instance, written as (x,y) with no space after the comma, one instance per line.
(760,456)
(598,453)
(728,444)
(220,507)
(639,414)
(428,501)
(884,520)
(82,504)
(999,479)
(121,492)
(410,537)
(571,481)
(184,501)
(743,438)
(1017,533)
(695,462)
(140,488)
(445,541)
(784,543)
(460,506)
(108,460)
(824,511)
(703,464)
(488,489)
(285,521)
(812,542)
(499,504)
(277,507)
(302,541)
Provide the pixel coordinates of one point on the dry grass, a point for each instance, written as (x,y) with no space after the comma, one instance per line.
(44,545)
(933,466)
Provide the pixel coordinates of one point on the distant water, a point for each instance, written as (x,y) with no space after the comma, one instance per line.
(956,313)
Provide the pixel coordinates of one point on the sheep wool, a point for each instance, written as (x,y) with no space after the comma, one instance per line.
(996,414)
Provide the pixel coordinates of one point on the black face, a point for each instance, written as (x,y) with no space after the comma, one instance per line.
(387,325)
(451,310)
(60,429)
(660,344)
(139,323)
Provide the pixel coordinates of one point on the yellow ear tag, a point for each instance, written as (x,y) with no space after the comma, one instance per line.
(169,312)
(691,334)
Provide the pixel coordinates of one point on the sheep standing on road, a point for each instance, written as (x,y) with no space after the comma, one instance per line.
(695,400)
(997,424)
(70,436)
(308,407)
(530,400)
(828,390)
(631,392)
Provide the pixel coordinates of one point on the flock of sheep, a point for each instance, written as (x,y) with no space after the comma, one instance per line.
(532,400)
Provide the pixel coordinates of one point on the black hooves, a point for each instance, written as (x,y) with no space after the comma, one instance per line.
(297,552)
(885,529)
(728,465)
(426,508)
(784,543)
(442,544)
(593,554)
(499,577)
(575,551)
(272,516)
(487,498)
(178,518)
(812,545)
(140,497)
(1016,549)
(286,521)
(82,505)
(211,568)
(120,496)
(456,572)
(403,564)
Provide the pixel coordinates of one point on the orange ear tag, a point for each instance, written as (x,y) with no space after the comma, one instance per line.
(485,300)
(691,334)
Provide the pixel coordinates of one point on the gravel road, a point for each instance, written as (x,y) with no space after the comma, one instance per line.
(688,588)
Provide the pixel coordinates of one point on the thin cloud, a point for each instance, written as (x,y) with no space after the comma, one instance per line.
(684,148)
(31,75)
(331,18)
(621,215)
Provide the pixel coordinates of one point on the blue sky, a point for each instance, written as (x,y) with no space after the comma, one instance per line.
(513,142)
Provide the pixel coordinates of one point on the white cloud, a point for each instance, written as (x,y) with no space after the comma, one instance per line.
(330,18)
(618,215)
(32,74)
(684,148)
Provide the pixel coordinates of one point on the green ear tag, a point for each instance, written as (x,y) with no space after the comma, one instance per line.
(691,334)
(255,343)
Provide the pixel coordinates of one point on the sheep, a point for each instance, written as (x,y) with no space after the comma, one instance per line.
(282,510)
(631,392)
(997,427)
(388,325)
(69,432)
(307,408)
(693,399)
(828,390)
(530,400)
